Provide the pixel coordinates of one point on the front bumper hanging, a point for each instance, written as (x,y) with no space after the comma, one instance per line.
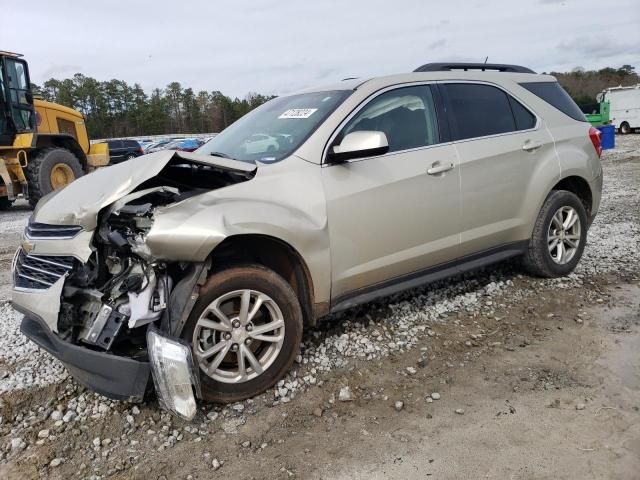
(119,378)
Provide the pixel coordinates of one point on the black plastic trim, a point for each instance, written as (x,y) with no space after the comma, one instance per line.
(444,125)
(429,275)
(447,67)
(119,378)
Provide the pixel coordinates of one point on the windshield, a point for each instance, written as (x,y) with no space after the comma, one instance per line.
(276,129)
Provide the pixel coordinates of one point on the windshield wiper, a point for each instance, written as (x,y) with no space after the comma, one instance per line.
(222,155)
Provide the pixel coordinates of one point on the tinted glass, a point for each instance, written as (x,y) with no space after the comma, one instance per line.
(555,95)
(407,116)
(23,117)
(524,118)
(282,125)
(114,143)
(131,144)
(478,110)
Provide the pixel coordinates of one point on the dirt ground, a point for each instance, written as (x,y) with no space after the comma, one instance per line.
(542,383)
(520,402)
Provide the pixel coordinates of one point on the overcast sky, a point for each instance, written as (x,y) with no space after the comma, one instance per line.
(278,46)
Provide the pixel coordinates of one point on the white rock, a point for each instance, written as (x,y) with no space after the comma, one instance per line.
(435,396)
(55,462)
(212,415)
(215,464)
(345,394)
(399,405)
(69,416)
(17,445)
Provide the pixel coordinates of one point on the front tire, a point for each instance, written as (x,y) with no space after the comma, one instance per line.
(51,169)
(245,331)
(559,236)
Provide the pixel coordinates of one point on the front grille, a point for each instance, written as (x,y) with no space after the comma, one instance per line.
(40,271)
(42,230)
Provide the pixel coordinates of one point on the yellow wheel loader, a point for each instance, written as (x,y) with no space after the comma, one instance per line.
(43,146)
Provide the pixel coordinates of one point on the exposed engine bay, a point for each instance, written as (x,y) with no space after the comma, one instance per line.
(122,286)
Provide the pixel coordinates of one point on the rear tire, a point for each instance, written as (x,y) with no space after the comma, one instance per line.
(49,170)
(557,244)
(223,290)
(625,128)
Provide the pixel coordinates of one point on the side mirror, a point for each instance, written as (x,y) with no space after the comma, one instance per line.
(359,145)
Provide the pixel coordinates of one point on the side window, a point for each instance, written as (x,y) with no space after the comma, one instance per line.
(524,118)
(407,116)
(478,110)
(554,94)
(68,127)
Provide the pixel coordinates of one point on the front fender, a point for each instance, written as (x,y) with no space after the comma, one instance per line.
(287,206)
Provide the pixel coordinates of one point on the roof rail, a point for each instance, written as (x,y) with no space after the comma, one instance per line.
(11,54)
(447,67)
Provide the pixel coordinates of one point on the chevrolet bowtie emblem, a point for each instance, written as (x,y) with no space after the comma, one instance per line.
(27,246)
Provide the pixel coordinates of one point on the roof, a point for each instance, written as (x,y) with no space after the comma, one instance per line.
(387,80)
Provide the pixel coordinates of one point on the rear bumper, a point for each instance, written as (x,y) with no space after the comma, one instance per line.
(596,192)
(119,378)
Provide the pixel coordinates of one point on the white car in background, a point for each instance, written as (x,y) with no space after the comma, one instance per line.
(261,143)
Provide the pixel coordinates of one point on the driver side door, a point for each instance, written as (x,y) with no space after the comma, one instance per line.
(394,215)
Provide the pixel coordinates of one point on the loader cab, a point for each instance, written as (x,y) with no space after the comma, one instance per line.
(17,113)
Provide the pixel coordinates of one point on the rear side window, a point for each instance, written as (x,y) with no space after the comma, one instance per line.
(131,144)
(478,110)
(114,143)
(524,118)
(555,95)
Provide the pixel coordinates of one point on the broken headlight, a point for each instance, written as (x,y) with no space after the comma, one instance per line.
(174,375)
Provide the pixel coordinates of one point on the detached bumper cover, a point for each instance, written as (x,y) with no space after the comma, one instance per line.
(119,378)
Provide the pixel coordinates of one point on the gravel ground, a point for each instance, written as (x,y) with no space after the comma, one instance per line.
(50,425)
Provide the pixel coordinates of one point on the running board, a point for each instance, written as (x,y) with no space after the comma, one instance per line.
(429,275)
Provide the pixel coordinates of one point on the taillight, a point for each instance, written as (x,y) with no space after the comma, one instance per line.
(141,150)
(594,135)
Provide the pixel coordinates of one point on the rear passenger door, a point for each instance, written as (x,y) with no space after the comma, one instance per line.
(502,146)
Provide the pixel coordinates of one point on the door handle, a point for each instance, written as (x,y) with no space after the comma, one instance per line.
(437,167)
(530,146)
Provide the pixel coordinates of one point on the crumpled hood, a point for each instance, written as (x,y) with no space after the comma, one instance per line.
(80,202)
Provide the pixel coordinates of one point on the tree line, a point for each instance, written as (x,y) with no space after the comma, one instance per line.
(583,85)
(114,108)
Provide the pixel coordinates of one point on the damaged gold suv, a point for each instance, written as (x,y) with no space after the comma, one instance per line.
(203,268)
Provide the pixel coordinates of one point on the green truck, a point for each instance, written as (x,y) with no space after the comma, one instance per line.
(597,113)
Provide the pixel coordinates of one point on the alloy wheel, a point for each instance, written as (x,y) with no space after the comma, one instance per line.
(564,235)
(238,336)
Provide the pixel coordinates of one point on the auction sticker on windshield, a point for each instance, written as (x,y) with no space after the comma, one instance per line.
(298,113)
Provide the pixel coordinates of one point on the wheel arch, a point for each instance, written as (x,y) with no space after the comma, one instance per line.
(580,187)
(67,142)
(275,254)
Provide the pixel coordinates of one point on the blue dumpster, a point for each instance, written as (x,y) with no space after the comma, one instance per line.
(607,136)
